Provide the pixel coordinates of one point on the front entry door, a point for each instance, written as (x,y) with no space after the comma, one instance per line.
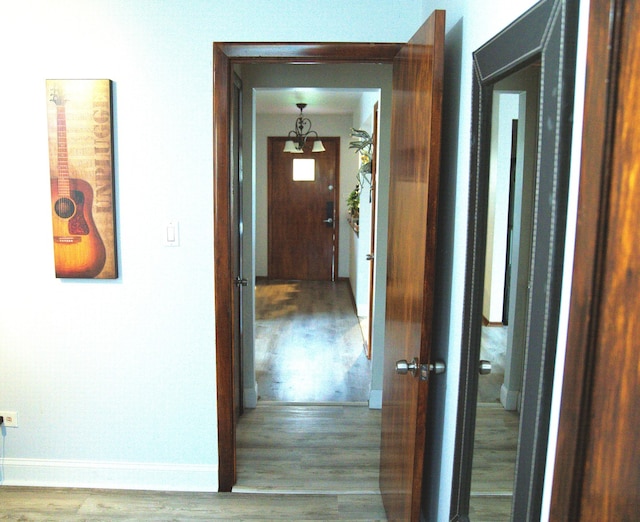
(413,199)
(302,211)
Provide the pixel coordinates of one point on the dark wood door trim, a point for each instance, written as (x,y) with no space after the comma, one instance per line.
(597,439)
(222,269)
(224,56)
(374,210)
(309,52)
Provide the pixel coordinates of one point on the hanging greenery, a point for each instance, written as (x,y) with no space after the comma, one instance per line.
(363,144)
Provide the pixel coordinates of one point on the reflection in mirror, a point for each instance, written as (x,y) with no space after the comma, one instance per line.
(512,167)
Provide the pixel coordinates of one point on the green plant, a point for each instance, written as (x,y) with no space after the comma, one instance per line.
(363,145)
(353,202)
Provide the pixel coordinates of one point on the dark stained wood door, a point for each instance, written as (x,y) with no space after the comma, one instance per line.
(597,470)
(302,215)
(413,199)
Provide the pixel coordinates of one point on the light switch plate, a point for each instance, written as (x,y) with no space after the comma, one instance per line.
(172,234)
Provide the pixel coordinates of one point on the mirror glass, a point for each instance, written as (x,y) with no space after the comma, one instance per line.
(512,171)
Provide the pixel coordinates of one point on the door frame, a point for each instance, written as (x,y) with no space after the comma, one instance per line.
(225,56)
(546,32)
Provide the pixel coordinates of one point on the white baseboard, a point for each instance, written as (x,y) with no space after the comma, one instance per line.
(510,399)
(375,400)
(108,475)
(250,396)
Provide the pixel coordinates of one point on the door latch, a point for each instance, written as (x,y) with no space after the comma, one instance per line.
(240,281)
(422,370)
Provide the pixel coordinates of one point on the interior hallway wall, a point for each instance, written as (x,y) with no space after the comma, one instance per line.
(114,381)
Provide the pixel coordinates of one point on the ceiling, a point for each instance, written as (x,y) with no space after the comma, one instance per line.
(319,101)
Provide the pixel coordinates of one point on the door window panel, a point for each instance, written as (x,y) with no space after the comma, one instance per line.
(304,169)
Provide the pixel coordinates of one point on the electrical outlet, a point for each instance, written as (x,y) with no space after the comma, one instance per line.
(10,418)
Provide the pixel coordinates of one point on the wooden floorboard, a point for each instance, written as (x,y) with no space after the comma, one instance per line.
(308,343)
(71,505)
(309,449)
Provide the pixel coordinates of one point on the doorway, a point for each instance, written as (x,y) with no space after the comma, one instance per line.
(309,327)
(374,57)
(334,110)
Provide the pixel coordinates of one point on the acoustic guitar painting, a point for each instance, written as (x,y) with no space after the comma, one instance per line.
(76,208)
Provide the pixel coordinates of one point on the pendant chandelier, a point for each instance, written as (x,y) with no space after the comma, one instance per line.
(298,136)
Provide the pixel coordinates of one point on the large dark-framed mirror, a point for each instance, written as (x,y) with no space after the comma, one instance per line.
(543,39)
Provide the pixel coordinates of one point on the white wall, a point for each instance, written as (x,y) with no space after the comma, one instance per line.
(360,276)
(114,381)
(505,110)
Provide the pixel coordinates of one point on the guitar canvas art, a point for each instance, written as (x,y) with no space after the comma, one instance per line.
(79,115)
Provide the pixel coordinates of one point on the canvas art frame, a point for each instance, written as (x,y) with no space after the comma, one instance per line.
(81,159)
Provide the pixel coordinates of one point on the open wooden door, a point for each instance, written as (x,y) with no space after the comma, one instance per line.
(418,79)
(413,201)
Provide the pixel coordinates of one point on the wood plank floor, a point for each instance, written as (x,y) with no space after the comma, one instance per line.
(496,440)
(309,449)
(308,343)
(93,505)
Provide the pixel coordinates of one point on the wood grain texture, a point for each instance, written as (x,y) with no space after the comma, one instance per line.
(307,52)
(93,505)
(597,472)
(308,343)
(223,270)
(413,198)
(300,244)
(611,487)
(295,448)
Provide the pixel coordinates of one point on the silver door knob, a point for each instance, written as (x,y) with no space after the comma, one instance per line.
(484,367)
(328,220)
(403,366)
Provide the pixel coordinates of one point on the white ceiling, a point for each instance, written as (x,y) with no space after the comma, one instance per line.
(319,101)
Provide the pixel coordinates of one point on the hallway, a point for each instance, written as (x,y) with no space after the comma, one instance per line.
(312,431)
(308,343)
